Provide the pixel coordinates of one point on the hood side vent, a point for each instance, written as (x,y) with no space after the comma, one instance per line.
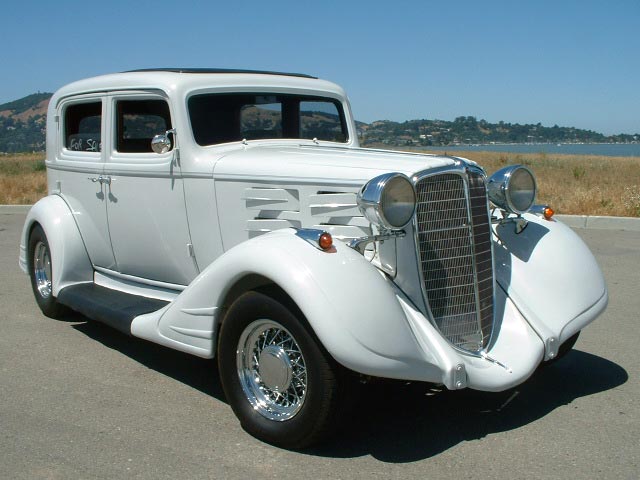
(271,209)
(273,199)
(334,204)
(338,214)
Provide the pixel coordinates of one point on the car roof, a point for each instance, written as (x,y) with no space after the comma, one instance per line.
(219,70)
(182,81)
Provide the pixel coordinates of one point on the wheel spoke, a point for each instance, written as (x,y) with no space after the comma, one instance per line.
(279,390)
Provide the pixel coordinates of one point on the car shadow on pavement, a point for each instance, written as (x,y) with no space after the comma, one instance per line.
(401,422)
(198,373)
(398,423)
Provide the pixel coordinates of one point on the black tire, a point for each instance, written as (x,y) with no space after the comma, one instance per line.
(39,264)
(564,349)
(567,346)
(290,397)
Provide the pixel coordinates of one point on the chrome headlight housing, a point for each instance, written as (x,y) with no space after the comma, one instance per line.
(388,200)
(513,189)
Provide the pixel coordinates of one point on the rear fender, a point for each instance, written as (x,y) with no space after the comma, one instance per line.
(70,263)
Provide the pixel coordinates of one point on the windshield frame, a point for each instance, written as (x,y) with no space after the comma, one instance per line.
(283,97)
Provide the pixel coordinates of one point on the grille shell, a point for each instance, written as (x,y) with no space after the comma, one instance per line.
(454,248)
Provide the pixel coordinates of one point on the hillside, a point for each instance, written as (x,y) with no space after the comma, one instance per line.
(22,129)
(23,122)
(469,130)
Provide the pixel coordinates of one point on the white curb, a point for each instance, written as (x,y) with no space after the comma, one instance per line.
(9,209)
(601,223)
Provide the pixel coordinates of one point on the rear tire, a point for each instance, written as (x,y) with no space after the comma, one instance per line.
(39,261)
(281,384)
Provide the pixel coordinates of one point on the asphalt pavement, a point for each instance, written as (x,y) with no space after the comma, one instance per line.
(79,400)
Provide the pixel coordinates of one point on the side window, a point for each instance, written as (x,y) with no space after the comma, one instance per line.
(82,123)
(321,120)
(138,121)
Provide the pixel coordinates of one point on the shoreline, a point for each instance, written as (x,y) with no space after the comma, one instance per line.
(618,150)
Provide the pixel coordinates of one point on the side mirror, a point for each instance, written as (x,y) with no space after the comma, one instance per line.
(162,143)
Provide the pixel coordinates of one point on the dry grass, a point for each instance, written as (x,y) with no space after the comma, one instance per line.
(575,184)
(571,184)
(23,179)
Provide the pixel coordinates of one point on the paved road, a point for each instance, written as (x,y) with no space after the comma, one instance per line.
(78,400)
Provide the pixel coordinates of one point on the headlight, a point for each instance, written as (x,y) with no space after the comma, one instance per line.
(512,189)
(388,200)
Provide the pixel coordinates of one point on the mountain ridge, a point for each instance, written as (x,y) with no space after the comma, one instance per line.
(23,127)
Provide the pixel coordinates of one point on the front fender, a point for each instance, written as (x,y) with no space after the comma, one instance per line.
(351,306)
(70,262)
(552,278)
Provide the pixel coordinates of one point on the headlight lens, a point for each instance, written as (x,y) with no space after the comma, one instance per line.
(513,189)
(388,200)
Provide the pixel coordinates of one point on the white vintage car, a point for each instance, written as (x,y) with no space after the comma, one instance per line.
(232,214)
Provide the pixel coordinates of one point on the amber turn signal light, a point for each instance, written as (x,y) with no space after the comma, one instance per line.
(325,241)
(548,213)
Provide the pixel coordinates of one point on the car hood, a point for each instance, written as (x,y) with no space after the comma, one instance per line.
(321,163)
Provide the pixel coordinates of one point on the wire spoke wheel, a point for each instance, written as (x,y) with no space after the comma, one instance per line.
(272,370)
(282,385)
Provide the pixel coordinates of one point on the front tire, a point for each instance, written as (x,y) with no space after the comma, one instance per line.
(39,255)
(281,384)
(567,346)
(564,349)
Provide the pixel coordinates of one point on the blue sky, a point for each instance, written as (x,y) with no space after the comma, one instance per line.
(571,63)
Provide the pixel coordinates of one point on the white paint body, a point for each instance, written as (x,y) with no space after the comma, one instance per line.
(193,229)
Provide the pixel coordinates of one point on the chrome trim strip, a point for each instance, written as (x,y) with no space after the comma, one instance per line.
(92,167)
(357,183)
(104,168)
(359,244)
(311,236)
(479,171)
(538,209)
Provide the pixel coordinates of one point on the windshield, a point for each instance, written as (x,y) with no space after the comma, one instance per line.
(220,118)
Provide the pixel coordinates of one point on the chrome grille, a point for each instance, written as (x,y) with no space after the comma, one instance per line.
(454,247)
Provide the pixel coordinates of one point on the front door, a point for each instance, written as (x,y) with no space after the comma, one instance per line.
(145,198)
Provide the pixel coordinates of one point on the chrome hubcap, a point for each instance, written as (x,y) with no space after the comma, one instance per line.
(271,370)
(42,269)
(275,368)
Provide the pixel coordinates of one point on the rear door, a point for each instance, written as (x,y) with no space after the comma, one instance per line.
(78,169)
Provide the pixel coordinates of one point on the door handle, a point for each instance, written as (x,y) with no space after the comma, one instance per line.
(102,179)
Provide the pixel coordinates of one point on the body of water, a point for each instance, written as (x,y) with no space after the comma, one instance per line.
(606,149)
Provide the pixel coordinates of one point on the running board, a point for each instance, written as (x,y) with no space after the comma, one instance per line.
(111,307)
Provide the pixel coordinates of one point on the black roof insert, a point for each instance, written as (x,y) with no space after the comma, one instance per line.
(218,70)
